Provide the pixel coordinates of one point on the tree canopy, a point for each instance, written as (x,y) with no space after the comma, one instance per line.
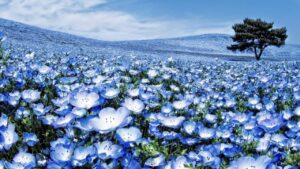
(255,35)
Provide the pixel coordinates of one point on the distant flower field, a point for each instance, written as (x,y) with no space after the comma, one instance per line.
(71,111)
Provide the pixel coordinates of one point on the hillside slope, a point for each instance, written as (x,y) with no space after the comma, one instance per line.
(24,38)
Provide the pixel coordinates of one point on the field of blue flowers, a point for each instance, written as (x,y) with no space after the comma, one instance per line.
(74,111)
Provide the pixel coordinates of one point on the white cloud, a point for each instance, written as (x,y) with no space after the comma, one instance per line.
(74,16)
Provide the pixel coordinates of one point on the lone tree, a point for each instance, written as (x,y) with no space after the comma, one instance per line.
(255,35)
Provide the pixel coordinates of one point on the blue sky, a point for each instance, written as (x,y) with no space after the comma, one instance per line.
(147,19)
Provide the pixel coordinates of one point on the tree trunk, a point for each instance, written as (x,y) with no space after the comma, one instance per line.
(258,54)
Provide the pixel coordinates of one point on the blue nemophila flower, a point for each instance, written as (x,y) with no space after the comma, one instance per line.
(168,102)
(155,161)
(270,123)
(188,140)
(152,73)
(20,82)
(240,117)
(287,114)
(61,101)
(297,111)
(30,139)
(48,119)
(63,110)
(280,140)
(263,143)
(68,80)
(2,37)
(133,92)
(82,155)
(210,118)
(219,104)
(90,73)
(70,133)
(207,158)
(250,124)
(108,150)
(180,104)
(153,128)
(8,165)
(293,126)
(99,79)
(31,95)
(167,109)
(3,120)
(146,96)
(169,135)
(129,162)
(174,88)
(84,99)
(131,134)
(106,165)
(133,72)
(253,100)
(110,93)
(145,81)
(231,151)
(79,112)
(206,133)
(269,105)
(170,121)
(261,162)
(27,160)
(192,155)
(39,109)
(297,96)
(43,69)
(230,102)
(3,83)
(63,121)
(181,162)
(63,140)
(224,131)
(166,94)
(54,165)
(9,136)
(136,106)
(83,123)
(30,56)
(2,96)
(22,113)
(110,119)
(189,127)
(13,98)
(62,153)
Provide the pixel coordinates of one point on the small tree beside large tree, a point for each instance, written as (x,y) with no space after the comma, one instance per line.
(255,35)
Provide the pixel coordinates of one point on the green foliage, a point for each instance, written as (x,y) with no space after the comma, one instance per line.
(250,147)
(293,159)
(3,57)
(241,104)
(255,35)
(224,164)
(237,131)
(284,105)
(155,148)
(152,149)
(30,124)
(191,166)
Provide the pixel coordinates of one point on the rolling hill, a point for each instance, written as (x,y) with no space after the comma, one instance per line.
(24,38)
